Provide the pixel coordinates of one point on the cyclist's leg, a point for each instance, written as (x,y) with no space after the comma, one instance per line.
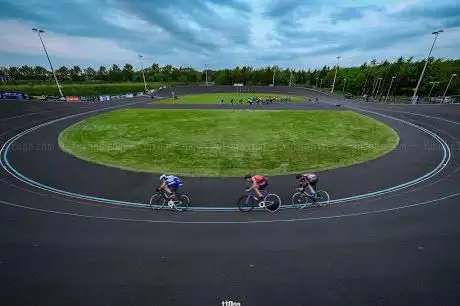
(311,190)
(258,193)
(314,183)
(168,191)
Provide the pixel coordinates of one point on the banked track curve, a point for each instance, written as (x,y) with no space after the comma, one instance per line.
(6,165)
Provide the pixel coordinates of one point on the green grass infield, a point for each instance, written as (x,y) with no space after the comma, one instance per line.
(217,98)
(224,143)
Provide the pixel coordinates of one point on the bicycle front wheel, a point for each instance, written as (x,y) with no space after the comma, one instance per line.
(246,204)
(157,201)
(322,197)
(182,202)
(272,202)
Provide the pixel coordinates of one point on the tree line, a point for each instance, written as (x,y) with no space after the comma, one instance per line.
(370,77)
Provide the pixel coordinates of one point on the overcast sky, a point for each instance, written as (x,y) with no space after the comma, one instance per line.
(225,33)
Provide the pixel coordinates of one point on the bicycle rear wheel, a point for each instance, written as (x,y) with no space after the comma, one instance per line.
(157,201)
(322,198)
(246,203)
(182,202)
(272,202)
(299,200)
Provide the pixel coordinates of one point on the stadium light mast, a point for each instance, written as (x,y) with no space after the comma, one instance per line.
(431,90)
(389,88)
(40,31)
(143,75)
(444,95)
(436,33)
(335,76)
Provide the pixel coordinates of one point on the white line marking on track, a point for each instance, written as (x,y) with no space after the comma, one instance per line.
(235,222)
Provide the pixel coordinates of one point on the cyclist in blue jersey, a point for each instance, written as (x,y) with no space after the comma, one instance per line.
(170,184)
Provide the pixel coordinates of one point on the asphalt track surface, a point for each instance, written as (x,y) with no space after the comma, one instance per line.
(100,246)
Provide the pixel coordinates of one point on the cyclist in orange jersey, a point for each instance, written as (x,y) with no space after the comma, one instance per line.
(258,183)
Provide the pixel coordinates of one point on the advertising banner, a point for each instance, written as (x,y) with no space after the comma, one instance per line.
(129,95)
(72,99)
(238,84)
(12,95)
(104,98)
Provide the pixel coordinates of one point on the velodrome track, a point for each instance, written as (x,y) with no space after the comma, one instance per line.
(75,233)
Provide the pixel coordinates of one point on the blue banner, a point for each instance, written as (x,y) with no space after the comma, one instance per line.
(12,95)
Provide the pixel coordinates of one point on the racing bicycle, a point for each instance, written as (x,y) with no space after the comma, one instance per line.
(179,202)
(270,201)
(302,199)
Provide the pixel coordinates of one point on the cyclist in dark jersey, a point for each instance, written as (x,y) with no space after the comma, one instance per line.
(308,181)
(258,182)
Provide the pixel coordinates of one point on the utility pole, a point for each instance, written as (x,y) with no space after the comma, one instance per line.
(39,31)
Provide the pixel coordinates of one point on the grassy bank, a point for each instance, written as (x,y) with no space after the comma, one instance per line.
(81,89)
(227,143)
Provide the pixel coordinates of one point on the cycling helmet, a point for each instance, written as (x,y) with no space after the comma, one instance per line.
(163,176)
(298,176)
(248,176)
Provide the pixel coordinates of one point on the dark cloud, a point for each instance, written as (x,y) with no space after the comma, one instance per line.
(232,29)
(233,24)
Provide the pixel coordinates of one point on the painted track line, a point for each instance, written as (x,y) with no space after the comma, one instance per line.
(380,211)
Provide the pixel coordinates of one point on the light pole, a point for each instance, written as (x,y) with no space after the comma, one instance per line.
(336,68)
(377,87)
(321,84)
(344,82)
(273,81)
(364,86)
(206,72)
(143,75)
(434,83)
(436,33)
(389,88)
(374,87)
(316,82)
(444,95)
(39,31)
